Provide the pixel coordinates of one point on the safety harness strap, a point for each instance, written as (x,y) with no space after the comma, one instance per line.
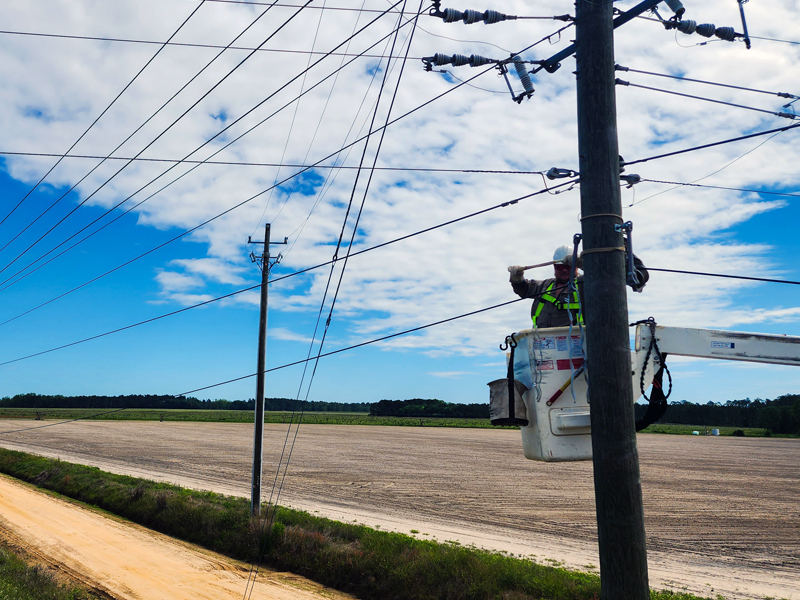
(547,297)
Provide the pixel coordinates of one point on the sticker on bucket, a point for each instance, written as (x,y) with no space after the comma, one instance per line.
(545,365)
(723,344)
(547,343)
(575,348)
(563,363)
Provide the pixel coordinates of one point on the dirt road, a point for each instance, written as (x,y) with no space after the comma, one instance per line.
(128,562)
(722,514)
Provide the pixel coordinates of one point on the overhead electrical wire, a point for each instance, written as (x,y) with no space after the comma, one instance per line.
(205,95)
(360,345)
(105,110)
(719,187)
(711,145)
(179,236)
(297,106)
(277,279)
(704,99)
(724,85)
(737,159)
(6,283)
(282,164)
(191,45)
(269,519)
(742,277)
(110,210)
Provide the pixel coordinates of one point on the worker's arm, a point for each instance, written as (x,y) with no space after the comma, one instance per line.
(524,288)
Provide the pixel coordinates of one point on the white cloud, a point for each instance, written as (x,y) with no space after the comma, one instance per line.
(445,272)
(449,374)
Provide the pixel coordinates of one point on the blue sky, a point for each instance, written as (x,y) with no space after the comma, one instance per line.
(56,87)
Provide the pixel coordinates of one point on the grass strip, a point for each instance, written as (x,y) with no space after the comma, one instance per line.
(21,581)
(238,416)
(365,562)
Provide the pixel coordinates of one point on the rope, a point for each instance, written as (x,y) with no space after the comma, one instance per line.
(597,250)
(602,215)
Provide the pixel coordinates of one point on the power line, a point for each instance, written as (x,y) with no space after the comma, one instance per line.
(172,167)
(275,280)
(105,110)
(719,187)
(652,89)
(190,45)
(7,284)
(228,74)
(755,37)
(281,164)
(763,279)
(367,343)
(704,146)
(725,85)
(179,236)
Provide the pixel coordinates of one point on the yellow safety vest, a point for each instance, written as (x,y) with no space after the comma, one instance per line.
(546,297)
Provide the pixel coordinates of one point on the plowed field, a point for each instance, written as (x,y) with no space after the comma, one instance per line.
(722,514)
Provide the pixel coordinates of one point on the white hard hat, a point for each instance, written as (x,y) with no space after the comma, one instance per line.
(561,253)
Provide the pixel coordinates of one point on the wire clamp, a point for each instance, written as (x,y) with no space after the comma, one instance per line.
(557,173)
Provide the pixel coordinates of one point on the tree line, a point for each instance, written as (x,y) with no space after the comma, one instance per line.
(41,401)
(781,415)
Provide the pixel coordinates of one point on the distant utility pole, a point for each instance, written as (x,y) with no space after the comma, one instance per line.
(258,436)
(617,484)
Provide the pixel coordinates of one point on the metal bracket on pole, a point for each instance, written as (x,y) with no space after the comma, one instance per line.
(552,64)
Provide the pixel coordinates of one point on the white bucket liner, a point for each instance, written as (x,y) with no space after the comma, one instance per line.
(544,361)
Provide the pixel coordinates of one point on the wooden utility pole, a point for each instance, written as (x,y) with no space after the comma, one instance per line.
(258,437)
(618,490)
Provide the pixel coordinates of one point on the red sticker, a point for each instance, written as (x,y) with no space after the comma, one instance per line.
(563,364)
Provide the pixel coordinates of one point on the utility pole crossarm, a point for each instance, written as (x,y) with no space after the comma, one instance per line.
(552,64)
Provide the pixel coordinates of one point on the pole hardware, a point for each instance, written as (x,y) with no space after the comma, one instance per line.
(631,179)
(450,15)
(631,274)
(746,36)
(457,60)
(553,64)
(556,173)
(708,30)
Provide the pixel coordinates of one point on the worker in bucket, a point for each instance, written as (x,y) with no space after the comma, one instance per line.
(557,303)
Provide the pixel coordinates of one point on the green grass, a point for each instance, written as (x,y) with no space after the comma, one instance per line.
(365,562)
(688,429)
(236,416)
(20,581)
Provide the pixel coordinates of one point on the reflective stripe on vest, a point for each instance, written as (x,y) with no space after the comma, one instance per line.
(546,297)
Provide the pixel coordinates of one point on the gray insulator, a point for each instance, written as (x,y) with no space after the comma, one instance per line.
(440,59)
(459,60)
(725,33)
(472,16)
(451,15)
(688,26)
(478,61)
(492,16)
(676,6)
(522,71)
(705,29)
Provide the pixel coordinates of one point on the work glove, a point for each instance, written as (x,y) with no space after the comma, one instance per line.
(517,274)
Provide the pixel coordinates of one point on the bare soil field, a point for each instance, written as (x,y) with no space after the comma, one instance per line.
(722,514)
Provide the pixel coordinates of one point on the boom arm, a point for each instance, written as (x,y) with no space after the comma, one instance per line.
(727,345)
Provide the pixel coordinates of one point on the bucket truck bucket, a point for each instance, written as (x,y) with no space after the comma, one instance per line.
(549,363)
